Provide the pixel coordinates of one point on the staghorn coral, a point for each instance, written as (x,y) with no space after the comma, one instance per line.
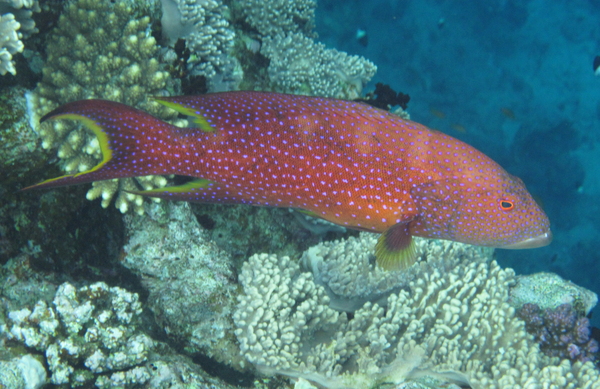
(300,65)
(86,334)
(453,321)
(561,332)
(100,50)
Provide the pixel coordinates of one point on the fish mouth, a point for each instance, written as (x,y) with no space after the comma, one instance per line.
(531,243)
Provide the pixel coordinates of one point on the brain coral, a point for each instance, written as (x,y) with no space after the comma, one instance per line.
(100,49)
(453,321)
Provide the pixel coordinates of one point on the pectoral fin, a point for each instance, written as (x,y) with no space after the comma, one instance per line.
(396,249)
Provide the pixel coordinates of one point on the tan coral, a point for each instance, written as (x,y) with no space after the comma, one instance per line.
(451,321)
(100,50)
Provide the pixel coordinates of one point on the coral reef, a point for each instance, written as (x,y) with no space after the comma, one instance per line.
(561,332)
(549,290)
(449,322)
(10,43)
(18,148)
(86,332)
(100,50)
(15,20)
(300,65)
(206,31)
(282,30)
(271,17)
(350,277)
(25,372)
(243,231)
(317,225)
(190,281)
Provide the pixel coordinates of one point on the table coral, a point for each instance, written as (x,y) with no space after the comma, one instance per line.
(100,49)
(86,334)
(452,320)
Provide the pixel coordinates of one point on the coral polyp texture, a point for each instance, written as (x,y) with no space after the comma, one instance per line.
(100,49)
(274,16)
(206,31)
(25,372)
(88,335)
(350,277)
(452,321)
(301,65)
(190,281)
(549,290)
(297,63)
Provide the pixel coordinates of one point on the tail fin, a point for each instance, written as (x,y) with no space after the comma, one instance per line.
(132,142)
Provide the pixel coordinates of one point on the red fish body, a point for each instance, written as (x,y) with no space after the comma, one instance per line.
(343,161)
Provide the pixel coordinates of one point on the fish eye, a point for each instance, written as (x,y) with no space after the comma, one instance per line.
(506,205)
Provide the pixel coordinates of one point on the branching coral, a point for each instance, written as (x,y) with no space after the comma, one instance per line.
(15,20)
(9,43)
(301,65)
(452,321)
(279,16)
(100,50)
(283,31)
(206,31)
(349,275)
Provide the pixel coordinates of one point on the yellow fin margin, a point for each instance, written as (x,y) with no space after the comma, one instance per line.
(190,186)
(396,249)
(199,119)
(102,141)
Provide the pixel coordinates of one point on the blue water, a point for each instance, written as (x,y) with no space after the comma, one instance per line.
(513,78)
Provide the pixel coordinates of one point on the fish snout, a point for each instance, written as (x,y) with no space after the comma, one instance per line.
(541,240)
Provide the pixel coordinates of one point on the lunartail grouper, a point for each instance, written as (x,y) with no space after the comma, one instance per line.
(343,161)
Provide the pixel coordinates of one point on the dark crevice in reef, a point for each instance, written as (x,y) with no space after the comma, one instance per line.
(223,372)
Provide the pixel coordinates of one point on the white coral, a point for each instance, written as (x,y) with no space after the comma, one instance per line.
(15,22)
(452,321)
(206,31)
(302,66)
(10,43)
(271,17)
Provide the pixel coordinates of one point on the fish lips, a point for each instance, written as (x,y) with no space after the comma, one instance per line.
(531,243)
